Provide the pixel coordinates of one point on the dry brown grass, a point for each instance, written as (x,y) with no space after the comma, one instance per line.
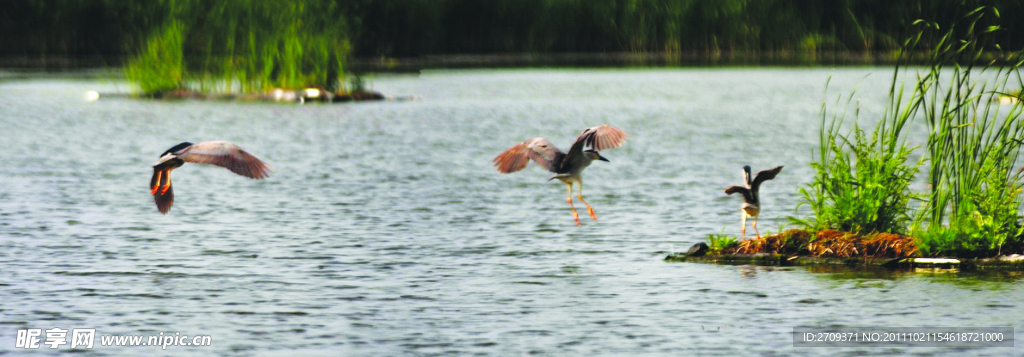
(787,242)
(889,245)
(829,243)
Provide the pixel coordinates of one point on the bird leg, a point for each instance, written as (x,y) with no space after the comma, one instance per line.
(755,227)
(167,186)
(590,210)
(575,215)
(743,224)
(156,186)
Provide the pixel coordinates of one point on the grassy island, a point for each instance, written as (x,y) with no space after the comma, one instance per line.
(246,48)
(861,199)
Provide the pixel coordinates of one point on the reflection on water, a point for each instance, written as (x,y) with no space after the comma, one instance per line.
(939,275)
(384,229)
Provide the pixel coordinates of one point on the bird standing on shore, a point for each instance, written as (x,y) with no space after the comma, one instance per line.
(220,153)
(567,167)
(751,199)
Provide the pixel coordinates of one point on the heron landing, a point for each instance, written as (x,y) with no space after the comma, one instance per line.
(567,167)
(751,199)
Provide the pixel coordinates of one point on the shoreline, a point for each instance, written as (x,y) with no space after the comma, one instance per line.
(1003,263)
(797,247)
(276,96)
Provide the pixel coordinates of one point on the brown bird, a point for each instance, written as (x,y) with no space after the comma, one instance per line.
(568,167)
(751,199)
(220,153)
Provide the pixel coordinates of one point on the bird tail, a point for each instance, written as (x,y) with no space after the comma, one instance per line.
(160,188)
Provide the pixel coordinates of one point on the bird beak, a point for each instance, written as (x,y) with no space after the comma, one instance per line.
(599,157)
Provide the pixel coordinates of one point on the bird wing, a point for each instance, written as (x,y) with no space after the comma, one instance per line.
(602,137)
(597,138)
(763,176)
(226,155)
(540,150)
(747,196)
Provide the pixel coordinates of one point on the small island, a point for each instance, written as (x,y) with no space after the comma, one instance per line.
(797,247)
(937,183)
(308,95)
(270,51)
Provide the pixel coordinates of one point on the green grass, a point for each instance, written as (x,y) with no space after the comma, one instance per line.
(244,46)
(973,143)
(159,66)
(719,242)
(862,183)
(971,205)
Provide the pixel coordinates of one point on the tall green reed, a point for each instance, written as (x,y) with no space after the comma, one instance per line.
(862,183)
(245,46)
(974,194)
(160,65)
(973,143)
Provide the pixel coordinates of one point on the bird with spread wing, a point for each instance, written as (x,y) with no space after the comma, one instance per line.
(567,167)
(751,197)
(220,153)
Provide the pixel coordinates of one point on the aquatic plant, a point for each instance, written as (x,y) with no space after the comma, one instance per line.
(973,144)
(721,242)
(791,241)
(159,66)
(862,185)
(974,192)
(244,46)
(889,245)
(357,84)
(830,243)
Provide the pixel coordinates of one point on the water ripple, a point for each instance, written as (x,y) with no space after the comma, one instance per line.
(385,230)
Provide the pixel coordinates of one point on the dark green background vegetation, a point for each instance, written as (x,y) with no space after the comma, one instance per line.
(407,28)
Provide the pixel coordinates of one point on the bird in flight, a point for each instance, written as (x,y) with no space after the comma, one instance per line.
(220,153)
(567,167)
(751,199)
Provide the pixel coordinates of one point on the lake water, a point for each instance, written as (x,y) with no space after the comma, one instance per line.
(385,230)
